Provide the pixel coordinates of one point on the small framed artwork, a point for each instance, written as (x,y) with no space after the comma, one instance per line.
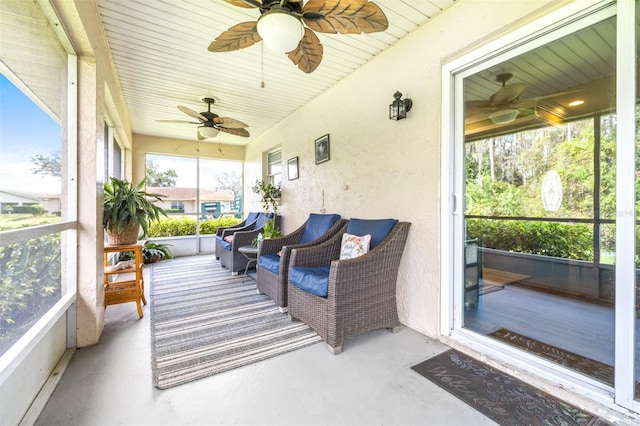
(322,149)
(292,168)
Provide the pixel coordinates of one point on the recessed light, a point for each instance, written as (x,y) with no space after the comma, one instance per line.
(576,103)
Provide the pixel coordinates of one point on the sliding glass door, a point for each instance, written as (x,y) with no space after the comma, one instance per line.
(546,165)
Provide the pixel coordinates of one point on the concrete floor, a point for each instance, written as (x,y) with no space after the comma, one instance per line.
(370,383)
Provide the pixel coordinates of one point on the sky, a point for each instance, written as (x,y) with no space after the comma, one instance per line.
(25,131)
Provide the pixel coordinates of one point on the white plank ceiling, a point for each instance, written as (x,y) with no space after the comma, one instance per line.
(159,49)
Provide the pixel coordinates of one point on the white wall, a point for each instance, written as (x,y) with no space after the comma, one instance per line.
(391,169)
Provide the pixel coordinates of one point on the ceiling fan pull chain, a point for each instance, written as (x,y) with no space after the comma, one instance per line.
(262,65)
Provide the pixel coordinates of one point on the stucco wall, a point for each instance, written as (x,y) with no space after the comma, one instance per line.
(381,168)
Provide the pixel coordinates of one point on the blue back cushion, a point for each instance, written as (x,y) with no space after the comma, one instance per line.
(378,228)
(262,218)
(318,225)
(251,217)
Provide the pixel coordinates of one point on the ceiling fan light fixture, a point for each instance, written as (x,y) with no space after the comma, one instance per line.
(208,132)
(504,116)
(280,30)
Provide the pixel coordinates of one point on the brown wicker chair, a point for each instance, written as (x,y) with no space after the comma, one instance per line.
(245,225)
(272,268)
(230,257)
(361,292)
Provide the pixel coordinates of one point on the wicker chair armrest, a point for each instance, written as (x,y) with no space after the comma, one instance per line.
(222,228)
(274,245)
(317,255)
(244,238)
(232,231)
(355,278)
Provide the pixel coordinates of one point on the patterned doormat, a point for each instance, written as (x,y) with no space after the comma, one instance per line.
(499,396)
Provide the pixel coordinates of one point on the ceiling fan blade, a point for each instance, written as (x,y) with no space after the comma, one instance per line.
(507,94)
(230,123)
(245,3)
(344,17)
(308,55)
(200,137)
(192,113)
(178,121)
(238,37)
(238,132)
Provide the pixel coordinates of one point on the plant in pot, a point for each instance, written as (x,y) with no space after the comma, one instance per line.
(154,252)
(268,195)
(127,208)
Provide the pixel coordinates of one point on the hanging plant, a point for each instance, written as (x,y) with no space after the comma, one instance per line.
(268,194)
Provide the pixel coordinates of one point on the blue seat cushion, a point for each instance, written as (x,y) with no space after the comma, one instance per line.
(318,225)
(225,245)
(219,238)
(311,280)
(270,262)
(378,228)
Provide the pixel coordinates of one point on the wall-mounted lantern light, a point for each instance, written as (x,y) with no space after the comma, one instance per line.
(399,107)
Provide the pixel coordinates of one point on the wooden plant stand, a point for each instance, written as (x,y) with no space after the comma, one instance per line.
(128,290)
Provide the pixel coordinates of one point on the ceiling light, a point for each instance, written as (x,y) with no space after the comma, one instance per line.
(576,103)
(280,30)
(504,116)
(208,132)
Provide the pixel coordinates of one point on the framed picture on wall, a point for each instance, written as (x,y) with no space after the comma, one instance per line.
(292,168)
(322,149)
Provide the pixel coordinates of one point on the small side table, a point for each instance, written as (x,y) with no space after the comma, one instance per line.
(127,290)
(251,253)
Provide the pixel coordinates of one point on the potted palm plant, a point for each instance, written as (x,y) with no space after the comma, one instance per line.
(127,208)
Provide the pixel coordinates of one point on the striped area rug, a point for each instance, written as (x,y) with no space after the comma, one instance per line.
(205,321)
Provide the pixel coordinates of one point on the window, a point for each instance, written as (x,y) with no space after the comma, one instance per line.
(37,203)
(177,205)
(274,168)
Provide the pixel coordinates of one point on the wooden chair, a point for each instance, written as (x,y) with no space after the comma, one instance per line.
(359,294)
(274,253)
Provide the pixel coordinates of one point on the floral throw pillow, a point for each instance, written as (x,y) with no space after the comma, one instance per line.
(354,245)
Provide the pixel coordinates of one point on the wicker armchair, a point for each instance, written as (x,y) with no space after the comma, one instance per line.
(242,226)
(230,257)
(360,292)
(273,254)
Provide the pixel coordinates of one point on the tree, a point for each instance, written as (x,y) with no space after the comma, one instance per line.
(156,177)
(47,165)
(229,182)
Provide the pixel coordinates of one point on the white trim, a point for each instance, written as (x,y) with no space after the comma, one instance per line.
(625,207)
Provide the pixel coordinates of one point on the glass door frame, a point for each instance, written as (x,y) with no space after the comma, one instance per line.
(553,26)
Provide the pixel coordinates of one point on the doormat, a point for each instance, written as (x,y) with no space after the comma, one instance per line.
(595,369)
(503,398)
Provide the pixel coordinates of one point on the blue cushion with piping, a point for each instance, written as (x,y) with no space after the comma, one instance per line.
(251,217)
(378,228)
(270,262)
(311,280)
(262,218)
(318,225)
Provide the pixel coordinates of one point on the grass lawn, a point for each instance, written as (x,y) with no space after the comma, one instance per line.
(21,220)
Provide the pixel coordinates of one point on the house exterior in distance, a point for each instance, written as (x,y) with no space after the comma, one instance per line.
(10,199)
(213,203)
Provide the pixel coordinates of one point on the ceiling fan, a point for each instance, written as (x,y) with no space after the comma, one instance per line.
(210,124)
(281,27)
(501,106)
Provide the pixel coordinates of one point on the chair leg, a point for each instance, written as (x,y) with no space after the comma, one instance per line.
(395,329)
(334,350)
(234,273)
(283,310)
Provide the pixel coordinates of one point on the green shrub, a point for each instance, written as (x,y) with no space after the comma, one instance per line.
(569,241)
(184,226)
(36,210)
